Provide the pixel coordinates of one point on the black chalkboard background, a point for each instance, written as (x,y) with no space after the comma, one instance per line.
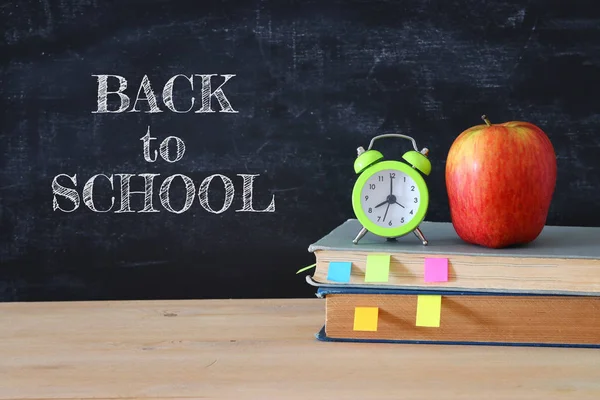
(314,80)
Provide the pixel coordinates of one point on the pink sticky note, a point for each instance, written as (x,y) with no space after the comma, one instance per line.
(436,270)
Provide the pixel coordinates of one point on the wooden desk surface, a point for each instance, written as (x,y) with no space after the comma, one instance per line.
(256,349)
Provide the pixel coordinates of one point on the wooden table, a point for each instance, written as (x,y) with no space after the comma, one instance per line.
(256,349)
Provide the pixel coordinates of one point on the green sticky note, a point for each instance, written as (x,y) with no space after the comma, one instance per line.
(429,308)
(378,268)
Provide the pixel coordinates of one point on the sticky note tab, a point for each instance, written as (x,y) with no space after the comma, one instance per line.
(436,270)
(339,271)
(365,318)
(378,268)
(429,308)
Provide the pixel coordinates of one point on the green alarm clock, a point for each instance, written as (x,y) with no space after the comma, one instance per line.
(390,198)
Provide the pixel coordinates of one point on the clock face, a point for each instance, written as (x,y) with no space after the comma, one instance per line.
(390,198)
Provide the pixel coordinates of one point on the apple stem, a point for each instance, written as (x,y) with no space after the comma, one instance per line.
(487,121)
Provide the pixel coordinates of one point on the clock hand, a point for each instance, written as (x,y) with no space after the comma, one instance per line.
(391,186)
(400,205)
(382,203)
(386,210)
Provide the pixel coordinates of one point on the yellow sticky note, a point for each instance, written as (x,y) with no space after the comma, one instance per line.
(378,268)
(429,309)
(365,318)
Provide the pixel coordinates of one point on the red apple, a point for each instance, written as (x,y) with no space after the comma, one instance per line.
(500,179)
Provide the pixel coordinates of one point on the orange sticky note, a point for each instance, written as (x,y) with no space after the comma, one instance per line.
(429,308)
(365,318)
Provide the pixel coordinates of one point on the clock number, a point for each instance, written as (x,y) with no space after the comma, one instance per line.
(371,186)
(411,212)
(370,210)
(392,175)
(404,179)
(380,178)
(402,220)
(390,223)
(378,218)
(412,188)
(416,200)
(366,197)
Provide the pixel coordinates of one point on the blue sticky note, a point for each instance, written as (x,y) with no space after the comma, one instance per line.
(339,271)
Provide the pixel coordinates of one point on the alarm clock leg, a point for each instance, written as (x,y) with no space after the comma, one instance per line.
(362,233)
(420,235)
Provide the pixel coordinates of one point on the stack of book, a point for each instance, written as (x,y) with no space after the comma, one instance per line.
(545,293)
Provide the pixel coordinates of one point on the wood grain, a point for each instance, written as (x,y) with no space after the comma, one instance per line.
(476,272)
(255,349)
(515,319)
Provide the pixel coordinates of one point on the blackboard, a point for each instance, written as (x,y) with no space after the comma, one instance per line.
(309,82)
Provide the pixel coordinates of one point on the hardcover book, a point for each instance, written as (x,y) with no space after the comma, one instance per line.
(562,260)
(465,317)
